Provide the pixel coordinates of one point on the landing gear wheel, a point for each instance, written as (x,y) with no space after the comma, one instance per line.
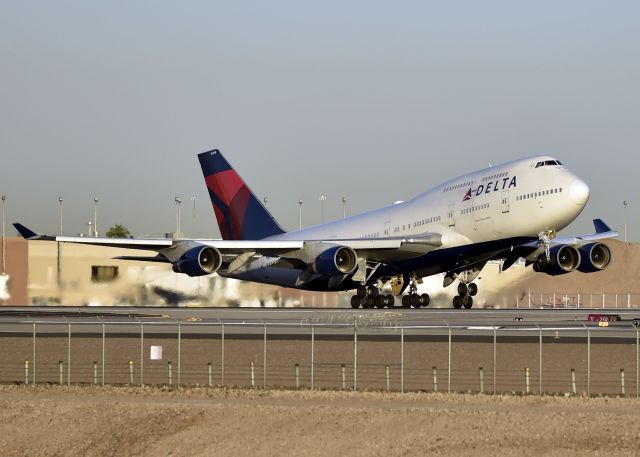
(389,301)
(457,302)
(406,301)
(462,289)
(467,302)
(373,291)
(424,299)
(355,302)
(415,300)
(368,303)
(361,291)
(380,301)
(473,289)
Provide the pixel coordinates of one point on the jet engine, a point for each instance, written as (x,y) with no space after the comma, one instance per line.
(199,261)
(564,259)
(336,261)
(595,257)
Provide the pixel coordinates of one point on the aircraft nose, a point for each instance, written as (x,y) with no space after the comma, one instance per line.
(579,192)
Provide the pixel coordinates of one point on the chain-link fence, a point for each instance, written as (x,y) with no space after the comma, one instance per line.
(488,359)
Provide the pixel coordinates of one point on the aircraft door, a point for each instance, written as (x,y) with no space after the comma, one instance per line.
(451,215)
(505,201)
(387,228)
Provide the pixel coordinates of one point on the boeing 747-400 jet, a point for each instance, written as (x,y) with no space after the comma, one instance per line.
(503,212)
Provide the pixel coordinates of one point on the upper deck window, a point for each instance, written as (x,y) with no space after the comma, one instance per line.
(547,163)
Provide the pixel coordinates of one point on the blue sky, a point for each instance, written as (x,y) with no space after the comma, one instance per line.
(376,101)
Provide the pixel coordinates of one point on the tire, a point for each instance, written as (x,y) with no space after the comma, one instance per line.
(405,301)
(373,291)
(473,289)
(457,302)
(355,302)
(467,302)
(462,289)
(425,300)
(415,300)
(379,301)
(369,302)
(389,301)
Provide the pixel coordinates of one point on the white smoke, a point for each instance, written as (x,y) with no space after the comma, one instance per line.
(4,287)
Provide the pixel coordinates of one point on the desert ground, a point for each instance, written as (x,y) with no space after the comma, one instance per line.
(118,421)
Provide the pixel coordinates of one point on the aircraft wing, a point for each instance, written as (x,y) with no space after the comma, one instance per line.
(382,250)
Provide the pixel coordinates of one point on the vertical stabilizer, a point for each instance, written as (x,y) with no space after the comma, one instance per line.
(241,216)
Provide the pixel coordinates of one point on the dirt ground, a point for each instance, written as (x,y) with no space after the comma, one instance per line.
(92,421)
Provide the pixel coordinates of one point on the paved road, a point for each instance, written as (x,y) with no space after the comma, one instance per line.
(296,321)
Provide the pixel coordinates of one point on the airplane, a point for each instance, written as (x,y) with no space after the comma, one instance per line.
(504,212)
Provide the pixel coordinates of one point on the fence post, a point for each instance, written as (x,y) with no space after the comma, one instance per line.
(637,363)
(209,373)
(481,370)
(573,381)
(141,353)
(628,300)
(540,363)
(252,368)
(26,372)
(222,355)
(344,376)
(435,379)
(603,299)
(170,370)
(495,357)
(69,358)
(529,299)
(622,390)
(355,355)
(179,353)
(526,381)
(313,341)
(264,359)
(297,376)
(103,351)
(449,364)
(95,373)
(131,372)
(386,372)
(401,359)
(588,361)
(61,372)
(34,354)
(616,300)
(578,304)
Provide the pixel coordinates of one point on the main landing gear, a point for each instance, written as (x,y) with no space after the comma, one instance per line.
(413,299)
(370,297)
(466,292)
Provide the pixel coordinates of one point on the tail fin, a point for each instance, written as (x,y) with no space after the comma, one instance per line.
(240,214)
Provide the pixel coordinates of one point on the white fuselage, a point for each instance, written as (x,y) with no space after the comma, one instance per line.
(517,199)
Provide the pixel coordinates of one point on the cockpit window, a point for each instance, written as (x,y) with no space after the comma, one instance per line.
(550,162)
(547,163)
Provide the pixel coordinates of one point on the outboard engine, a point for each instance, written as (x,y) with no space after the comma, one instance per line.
(199,261)
(336,261)
(595,257)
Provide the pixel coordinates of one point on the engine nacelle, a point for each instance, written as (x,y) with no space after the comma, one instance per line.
(336,261)
(595,257)
(199,261)
(564,259)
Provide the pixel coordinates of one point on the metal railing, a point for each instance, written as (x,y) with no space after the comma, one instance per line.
(491,359)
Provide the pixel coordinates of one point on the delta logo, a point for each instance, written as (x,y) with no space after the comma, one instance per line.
(491,186)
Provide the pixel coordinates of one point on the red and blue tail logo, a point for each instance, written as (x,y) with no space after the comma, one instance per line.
(241,216)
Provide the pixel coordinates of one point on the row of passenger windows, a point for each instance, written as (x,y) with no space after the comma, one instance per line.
(492,177)
(426,221)
(539,194)
(458,186)
(474,208)
(371,235)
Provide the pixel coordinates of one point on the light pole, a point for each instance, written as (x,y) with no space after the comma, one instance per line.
(4,249)
(95,217)
(322,199)
(178,201)
(626,204)
(193,199)
(300,214)
(344,207)
(60,202)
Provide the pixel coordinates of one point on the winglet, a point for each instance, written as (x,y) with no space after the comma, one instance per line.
(601,226)
(28,234)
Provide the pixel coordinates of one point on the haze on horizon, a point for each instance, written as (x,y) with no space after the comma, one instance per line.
(374,101)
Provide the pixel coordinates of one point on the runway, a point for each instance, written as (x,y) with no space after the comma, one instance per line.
(287,320)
